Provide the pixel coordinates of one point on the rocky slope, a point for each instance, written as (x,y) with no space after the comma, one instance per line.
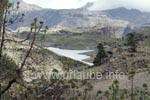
(134,16)
(41,62)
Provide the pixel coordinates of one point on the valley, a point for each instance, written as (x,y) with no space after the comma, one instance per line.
(73,43)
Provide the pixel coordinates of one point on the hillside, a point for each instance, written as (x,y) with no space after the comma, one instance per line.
(42,63)
(42,60)
(81,55)
(134,16)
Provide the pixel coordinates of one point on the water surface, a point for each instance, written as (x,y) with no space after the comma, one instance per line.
(73,54)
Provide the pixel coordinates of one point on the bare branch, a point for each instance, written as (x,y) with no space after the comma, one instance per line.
(8,86)
(3,32)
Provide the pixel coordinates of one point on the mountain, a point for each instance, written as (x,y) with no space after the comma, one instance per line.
(134,16)
(71,18)
(24,7)
(67,18)
(88,5)
(146,25)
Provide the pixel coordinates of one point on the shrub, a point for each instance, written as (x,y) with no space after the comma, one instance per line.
(8,68)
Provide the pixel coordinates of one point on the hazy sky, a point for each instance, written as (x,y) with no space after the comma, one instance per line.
(143,5)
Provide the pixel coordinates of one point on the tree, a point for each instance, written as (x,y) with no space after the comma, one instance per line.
(41,89)
(3,5)
(145,86)
(122,95)
(131,77)
(115,89)
(132,41)
(99,59)
(6,19)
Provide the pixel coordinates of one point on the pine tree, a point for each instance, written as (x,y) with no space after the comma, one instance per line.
(99,59)
(132,41)
(131,77)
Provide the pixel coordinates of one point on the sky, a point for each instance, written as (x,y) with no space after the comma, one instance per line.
(143,5)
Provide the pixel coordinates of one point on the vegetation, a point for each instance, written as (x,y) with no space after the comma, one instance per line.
(115,93)
(26,68)
(8,68)
(5,62)
(132,41)
(99,59)
(75,41)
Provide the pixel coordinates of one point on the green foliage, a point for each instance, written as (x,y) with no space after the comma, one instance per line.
(7,61)
(75,41)
(7,67)
(132,73)
(132,41)
(8,70)
(145,86)
(10,4)
(115,93)
(99,59)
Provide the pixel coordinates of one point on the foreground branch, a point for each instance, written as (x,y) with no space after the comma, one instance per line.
(8,86)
